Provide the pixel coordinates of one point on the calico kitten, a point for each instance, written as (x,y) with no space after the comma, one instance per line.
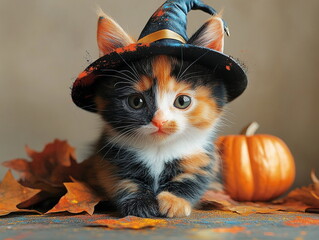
(155,153)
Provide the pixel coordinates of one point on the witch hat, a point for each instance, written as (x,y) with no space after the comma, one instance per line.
(164,34)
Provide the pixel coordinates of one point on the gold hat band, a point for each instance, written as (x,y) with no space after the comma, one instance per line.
(162,34)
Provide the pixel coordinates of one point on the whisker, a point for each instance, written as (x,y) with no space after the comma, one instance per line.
(191,73)
(113,140)
(129,136)
(180,69)
(121,72)
(197,76)
(133,71)
(196,60)
(115,76)
(136,70)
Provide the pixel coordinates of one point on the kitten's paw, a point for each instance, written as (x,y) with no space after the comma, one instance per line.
(142,206)
(173,206)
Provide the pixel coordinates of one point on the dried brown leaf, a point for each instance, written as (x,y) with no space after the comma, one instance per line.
(12,193)
(248,210)
(304,195)
(308,196)
(79,198)
(48,169)
(216,200)
(219,200)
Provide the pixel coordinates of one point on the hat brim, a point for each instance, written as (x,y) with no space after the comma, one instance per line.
(225,68)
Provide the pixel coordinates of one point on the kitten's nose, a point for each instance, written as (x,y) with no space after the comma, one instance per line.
(158,123)
(158,119)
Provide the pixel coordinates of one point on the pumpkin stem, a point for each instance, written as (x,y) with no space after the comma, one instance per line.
(250,129)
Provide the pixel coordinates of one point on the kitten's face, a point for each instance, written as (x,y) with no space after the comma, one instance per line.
(158,100)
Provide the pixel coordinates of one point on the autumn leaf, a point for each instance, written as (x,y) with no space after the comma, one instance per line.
(304,195)
(49,169)
(52,169)
(12,193)
(219,200)
(297,200)
(130,222)
(248,210)
(308,196)
(79,198)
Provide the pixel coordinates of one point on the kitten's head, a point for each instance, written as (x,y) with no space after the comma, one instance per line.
(160,99)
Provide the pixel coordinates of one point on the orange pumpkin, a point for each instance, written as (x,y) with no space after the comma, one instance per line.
(255,167)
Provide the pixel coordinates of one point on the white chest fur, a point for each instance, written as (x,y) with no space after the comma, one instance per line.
(155,156)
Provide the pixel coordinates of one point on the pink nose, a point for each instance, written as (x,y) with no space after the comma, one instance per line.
(158,122)
(159,119)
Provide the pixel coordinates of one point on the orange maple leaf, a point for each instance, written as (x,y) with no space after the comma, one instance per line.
(79,198)
(130,222)
(48,169)
(12,193)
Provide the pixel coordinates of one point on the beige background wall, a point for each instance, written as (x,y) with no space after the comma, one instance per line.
(44,44)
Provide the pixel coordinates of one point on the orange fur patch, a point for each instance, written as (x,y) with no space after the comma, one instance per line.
(144,84)
(170,127)
(162,68)
(192,163)
(181,87)
(173,206)
(184,176)
(206,112)
(101,175)
(127,185)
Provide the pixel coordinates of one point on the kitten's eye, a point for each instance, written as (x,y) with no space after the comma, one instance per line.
(136,101)
(182,101)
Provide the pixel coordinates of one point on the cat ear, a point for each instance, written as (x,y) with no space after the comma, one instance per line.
(210,35)
(110,35)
